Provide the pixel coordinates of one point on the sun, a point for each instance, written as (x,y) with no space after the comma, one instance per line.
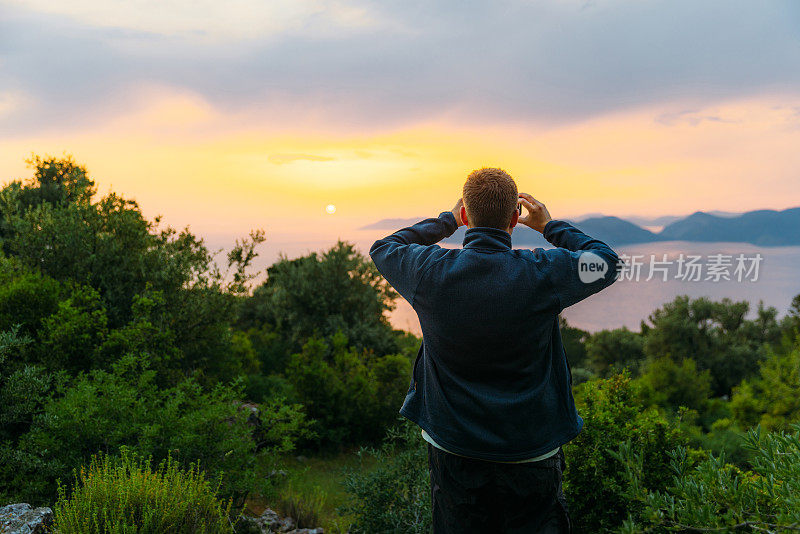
(330,208)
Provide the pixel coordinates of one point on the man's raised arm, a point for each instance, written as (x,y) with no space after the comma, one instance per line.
(403,256)
(580,266)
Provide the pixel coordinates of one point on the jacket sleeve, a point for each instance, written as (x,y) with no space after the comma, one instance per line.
(403,256)
(571,272)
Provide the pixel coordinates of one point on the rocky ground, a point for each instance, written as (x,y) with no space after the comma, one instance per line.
(22,518)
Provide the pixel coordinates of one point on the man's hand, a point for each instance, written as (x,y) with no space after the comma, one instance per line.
(537,216)
(457,211)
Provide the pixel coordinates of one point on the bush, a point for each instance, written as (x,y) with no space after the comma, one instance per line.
(102,412)
(771,399)
(715,496)
(594,481)
(122,495)
(670,384)
(610,351)
(353,396)
(394,497)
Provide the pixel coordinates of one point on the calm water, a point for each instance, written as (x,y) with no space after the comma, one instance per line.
(628,302)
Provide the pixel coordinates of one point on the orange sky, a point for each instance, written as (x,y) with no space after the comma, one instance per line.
(222,175)
(227,117)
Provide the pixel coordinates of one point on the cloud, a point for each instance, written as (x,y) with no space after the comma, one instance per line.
(354,65)
(207,19)
(693,117)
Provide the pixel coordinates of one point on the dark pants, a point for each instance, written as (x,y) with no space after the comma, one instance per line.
(475,496)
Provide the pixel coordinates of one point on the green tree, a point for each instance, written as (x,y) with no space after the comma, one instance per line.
(26,297)
(55,226)
(772,398)
(716,335)
(24,389)
(574,340)
(70,335)
(318,295)
(610,351)
(672,384)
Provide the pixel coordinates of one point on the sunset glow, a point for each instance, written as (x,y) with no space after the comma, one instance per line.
(224,165)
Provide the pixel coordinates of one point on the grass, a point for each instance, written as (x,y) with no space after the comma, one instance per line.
(313,490)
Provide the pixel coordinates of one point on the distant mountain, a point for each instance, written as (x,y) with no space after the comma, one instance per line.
(616,231)
(653,221)
(522,237)
(719,213)
(766,228)
(612,230)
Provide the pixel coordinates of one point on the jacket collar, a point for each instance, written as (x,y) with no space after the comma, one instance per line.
(486,237)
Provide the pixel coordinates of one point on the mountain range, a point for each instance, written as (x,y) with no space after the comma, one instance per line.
(768,228)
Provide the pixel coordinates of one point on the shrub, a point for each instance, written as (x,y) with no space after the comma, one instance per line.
(122,495)
(610,351)
(771,399)
(672,384)
(394,497)
(594,481)
(715,496)
(101,412)
(353,395)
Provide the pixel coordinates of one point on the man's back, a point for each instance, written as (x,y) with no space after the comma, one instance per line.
(491,380)
(491,387)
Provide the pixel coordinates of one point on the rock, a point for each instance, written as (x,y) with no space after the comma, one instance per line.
(277,473)
(23,519)
(271,523)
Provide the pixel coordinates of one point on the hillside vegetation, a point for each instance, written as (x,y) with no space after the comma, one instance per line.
(126,345)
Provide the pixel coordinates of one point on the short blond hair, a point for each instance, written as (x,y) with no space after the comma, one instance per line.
(490,196)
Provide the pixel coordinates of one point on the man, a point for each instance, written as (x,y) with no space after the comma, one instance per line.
(491,386)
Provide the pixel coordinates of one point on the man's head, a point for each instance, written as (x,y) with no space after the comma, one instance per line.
(490,199)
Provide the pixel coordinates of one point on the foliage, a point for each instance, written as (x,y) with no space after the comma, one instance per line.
(318,295)
(574,340)
(353,396)
(394,496)
(670,384)
(610,351)
(715,496)
(122,495)
(594,482)
(103,411)
(771,399)
(716,335)
(24,389)
(26,297)
(107,257)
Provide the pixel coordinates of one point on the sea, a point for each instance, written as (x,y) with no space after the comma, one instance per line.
(631,299)
(738,271)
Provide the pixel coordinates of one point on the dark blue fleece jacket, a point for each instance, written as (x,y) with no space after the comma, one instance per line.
(491,379)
